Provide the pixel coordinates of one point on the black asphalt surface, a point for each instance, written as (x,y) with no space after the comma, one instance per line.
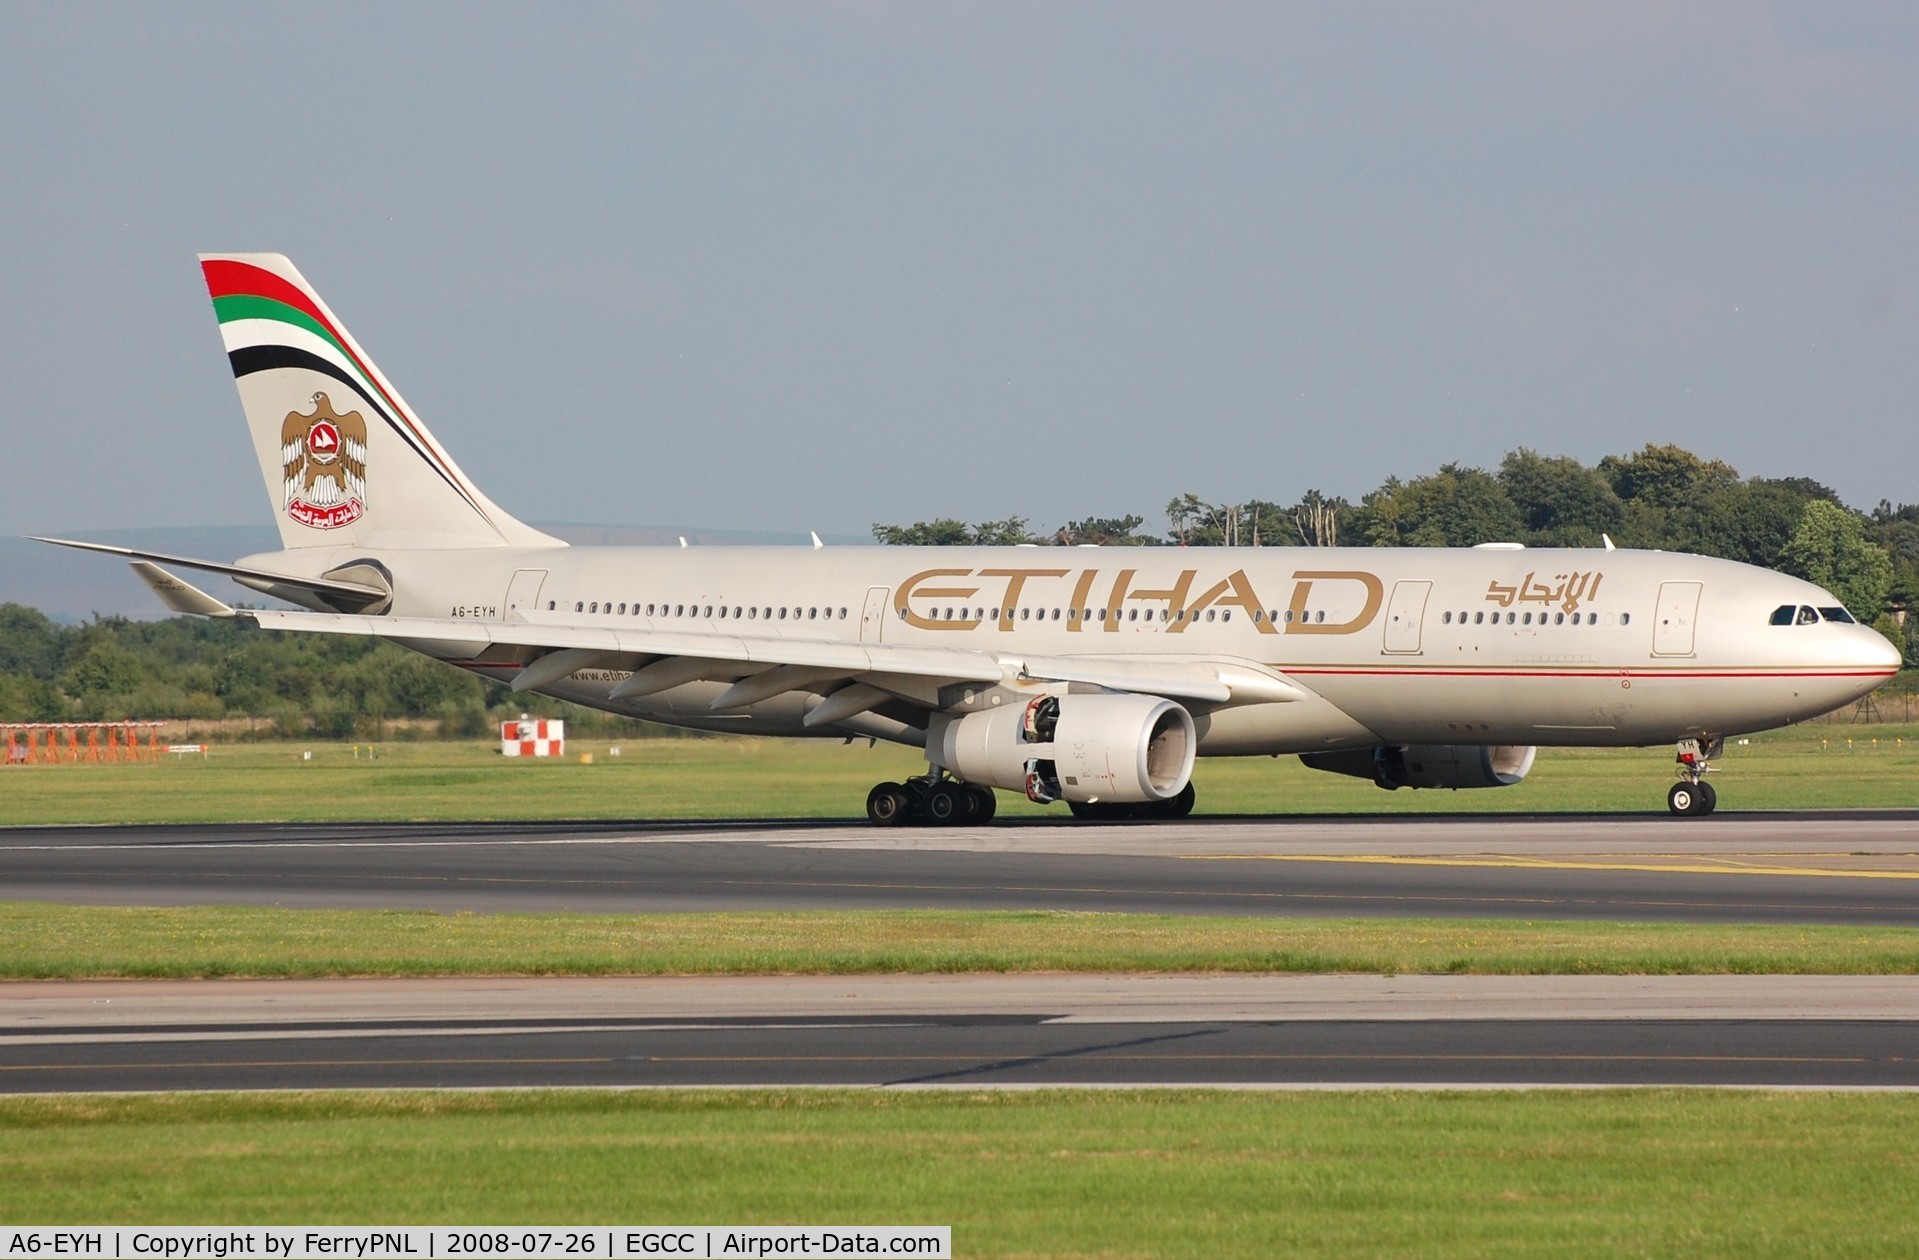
(651,867)
(995,1051)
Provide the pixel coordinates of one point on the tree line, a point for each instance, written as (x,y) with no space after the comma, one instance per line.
(190,668)
(338,686)
(1659,497)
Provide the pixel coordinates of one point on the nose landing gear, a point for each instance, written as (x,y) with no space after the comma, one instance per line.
(1692,796)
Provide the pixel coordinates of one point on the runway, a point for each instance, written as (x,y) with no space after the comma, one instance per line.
(1810,867)
(991,1031)
(966,1032)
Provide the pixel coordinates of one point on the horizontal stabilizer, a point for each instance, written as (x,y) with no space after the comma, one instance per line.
(353,592)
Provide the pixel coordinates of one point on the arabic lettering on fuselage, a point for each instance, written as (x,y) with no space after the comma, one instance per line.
(1567,590)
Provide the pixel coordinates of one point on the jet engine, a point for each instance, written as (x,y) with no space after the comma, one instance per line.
(1086,748)
(1431,765)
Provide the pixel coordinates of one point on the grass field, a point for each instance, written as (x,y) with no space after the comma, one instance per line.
(1055,1173)
(1806,766)
(73,942)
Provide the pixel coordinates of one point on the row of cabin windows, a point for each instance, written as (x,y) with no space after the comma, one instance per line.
(1073,614)
(1101,615)
(1802,615)
(1526,619)
(721,611)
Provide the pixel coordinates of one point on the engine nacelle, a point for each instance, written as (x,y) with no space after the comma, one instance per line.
(1118,748)
(1431,765)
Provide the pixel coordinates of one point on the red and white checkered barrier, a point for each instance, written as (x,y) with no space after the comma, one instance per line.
(533,737)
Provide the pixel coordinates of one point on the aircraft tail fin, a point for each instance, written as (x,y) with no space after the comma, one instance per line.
(346,461)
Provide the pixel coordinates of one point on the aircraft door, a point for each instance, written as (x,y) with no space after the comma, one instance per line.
(1405,614)
(873,616)
(523,592)
(1678,617)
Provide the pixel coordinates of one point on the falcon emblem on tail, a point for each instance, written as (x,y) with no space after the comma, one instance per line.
(323,463)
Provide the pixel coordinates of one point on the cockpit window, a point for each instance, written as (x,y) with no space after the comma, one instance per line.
(1782,615)
(1836,614)
(1807,616)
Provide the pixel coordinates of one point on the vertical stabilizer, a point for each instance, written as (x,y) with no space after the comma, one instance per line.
(346,461)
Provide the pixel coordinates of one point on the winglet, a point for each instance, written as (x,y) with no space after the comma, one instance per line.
(817,544)
(180,596)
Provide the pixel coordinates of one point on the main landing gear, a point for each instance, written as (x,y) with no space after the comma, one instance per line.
(1692,796)
(932,799)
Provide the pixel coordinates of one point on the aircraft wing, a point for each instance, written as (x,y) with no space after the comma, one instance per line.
(762,667)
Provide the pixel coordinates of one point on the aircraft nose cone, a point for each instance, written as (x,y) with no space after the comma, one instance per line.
(1881,652)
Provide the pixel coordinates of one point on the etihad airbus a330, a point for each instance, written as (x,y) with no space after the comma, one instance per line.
(1082,675)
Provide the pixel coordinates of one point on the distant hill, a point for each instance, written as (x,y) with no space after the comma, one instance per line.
(72,586)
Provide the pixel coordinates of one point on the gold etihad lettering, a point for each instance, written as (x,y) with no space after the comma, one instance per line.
(1297,611)
(1176,601)
(1568,590)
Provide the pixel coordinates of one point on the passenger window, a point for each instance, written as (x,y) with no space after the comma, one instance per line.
(751,613)
(1807,616)
(1132,614)
(1839,615)
(1625,619)
(549,605)
(1259,615)
(579,605)
(1782,615)
(1479,618)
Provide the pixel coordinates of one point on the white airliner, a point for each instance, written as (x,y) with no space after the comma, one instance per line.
(1085,675)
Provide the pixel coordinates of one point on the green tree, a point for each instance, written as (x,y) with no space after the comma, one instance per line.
(944,532)
(1254,523)
(1830,548)
(1011,532)
(1666,476)
(1562,502)
(947,532)
(1750,522)
(1104,531)
(1454,507)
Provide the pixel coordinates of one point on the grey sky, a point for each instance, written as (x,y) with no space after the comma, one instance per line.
(813,266)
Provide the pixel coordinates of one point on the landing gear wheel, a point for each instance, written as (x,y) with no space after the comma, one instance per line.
(886,805)
(1178,805)
(1708,798)
(1101,811)
(986,802)
(1687,799)
(946,803)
